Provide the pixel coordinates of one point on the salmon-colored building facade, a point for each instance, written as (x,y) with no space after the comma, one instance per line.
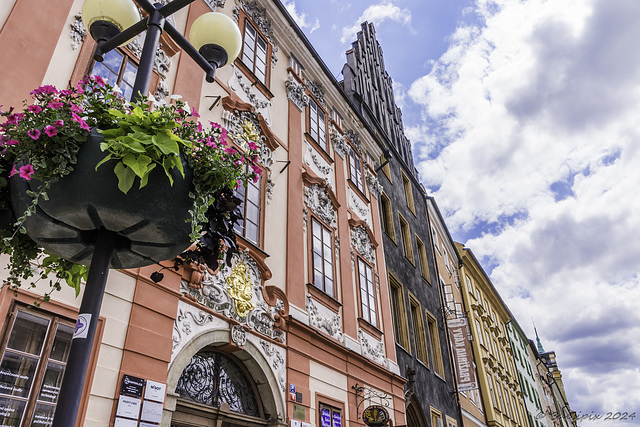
(317,348)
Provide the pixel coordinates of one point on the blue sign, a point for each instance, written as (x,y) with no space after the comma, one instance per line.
(325,418)
(337,419)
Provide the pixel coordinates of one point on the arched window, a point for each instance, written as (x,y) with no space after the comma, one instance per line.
(215,379)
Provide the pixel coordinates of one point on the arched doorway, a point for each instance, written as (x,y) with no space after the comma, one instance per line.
(215,389)
(415,415)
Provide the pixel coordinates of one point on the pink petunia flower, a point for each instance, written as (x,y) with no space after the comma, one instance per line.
(80,121)
(12,119)
(231,151)
(12,142)
(51,130)
(55,105)
(34,109)
(256,169)
(76,108)
(194,112)
(58,123)
(252,146)
(13,171)
(26,171)
(34,134)
(99,80)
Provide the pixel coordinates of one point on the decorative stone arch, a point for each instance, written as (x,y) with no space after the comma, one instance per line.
(252,359)
(415,414)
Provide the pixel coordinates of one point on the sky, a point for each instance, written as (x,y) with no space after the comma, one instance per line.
(524,117)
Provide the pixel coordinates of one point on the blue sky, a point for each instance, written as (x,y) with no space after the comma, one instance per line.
(524,116)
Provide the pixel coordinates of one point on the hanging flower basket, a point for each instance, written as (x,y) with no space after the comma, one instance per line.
(157,178)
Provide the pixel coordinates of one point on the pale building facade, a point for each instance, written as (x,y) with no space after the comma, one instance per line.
(319,343)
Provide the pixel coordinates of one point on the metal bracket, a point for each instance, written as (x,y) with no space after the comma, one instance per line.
(367,394)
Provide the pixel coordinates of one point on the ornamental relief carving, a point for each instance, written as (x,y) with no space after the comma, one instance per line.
(296,93)
(276,357)
(215,293)
(318,165)
(355,140)
(372,183)
(316,88)
(324,319)
(259,17)
(191,320)
(78,32)
(372,348)
(317,199)
(248,93)
(361,242)
(214,4)
(359,207)
(340,145)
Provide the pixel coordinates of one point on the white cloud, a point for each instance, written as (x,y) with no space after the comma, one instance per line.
(301,18)
(378,13)
(538,118)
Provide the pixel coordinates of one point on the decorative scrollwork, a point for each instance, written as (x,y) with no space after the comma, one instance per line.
(238,335)
(277,362)
(374,352)
(316,88)
(214,4)
(340,145)
(257,103)
(296,93)
(319,202)
(374,186)
(258,15)
(361,242)
(355,140)
(331,324)
(78,31)
(367,394)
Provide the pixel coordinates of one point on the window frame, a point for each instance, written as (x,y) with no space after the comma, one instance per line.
(435,416)
(405,233)
(370,290)
(419,332)
(436,239)
(43,359)
(436,349)
(385,168)
(261,208)
(399,313)
(330,231)
(323,401)
(423,260)
(251,67)
(386,209)
(319,110)
(356,171)
(408,192)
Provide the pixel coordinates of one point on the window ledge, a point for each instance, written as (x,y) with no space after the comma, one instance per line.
(369,328)
(255,81)
(360,192)
(325,155)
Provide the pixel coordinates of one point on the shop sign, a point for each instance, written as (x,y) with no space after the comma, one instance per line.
(375,416)
(151,411)
(132,386)
(122,422)
(462,354)
(155,391)
(128,407)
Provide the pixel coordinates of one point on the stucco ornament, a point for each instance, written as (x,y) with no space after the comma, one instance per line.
(316,88)
(253,96)
(340,145)
(238,335)
(190,320)
(355,140)
(318,164)
(296,93)
(371,347)
(78,31)
(360,240)
(214,4)
(213,293)
(318,201)
(374,186)
(359,207)
(277,361)
(325,320)
(258,15)
(239,288)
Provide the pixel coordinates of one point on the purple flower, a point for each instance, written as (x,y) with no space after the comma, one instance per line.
(55,105)
(26,171)
(76,108)
(34,134)
(12,142)
(44,90)
(51,130)
(66,92)
(194,112)
(13,171)
(12,119)
(231,151)
(256,170)
(81,122)
(34,109)
(252,146)
(58,123)
(99,80)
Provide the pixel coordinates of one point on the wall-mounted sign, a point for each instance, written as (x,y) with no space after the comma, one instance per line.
(292,392)
(122,422)
(132,386)
(375,416)
(154,391)
(151,411)
(128,407)
(82,325)
(299,412)
(462,354)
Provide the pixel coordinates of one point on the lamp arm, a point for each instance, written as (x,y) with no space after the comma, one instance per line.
(146,5)
(122,37)
(190,50)
(172,7)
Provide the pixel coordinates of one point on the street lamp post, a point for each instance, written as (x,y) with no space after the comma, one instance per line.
(215,41)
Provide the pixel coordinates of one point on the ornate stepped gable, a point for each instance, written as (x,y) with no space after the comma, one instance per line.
(367,82)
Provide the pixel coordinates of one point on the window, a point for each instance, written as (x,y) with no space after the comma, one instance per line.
(367,292)
(385,168)
(436,241)
(447,263)
(436,418)
(499,389)
(406,239)
(493,393)
(317,124)
(322,257)
(422,256)
(387,216)
(419,332)
(32,367)
(355,170)
(330,416)
(432,324)
(479,332)
(399,313)
(408,194)
(336,117)
(249,226)
(295,65)
(118,70)
(254,52)
(450,421)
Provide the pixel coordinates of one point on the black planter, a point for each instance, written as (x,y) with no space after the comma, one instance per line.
(151,223)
